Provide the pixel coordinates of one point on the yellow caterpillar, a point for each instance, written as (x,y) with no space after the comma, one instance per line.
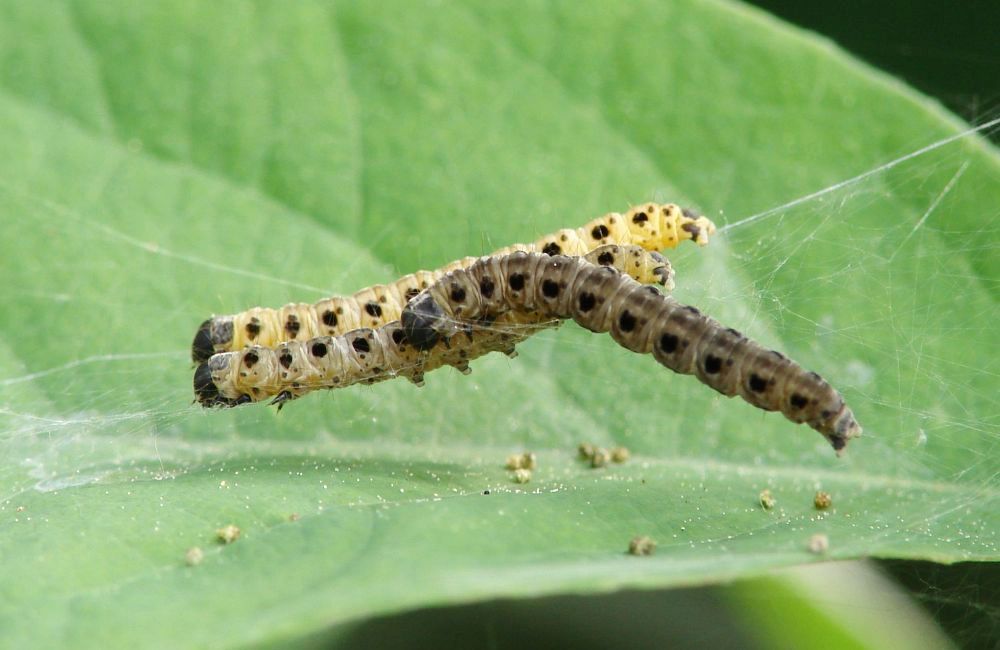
(639,318)
(365,355)
(651,226)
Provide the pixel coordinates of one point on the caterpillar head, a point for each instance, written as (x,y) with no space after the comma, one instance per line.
(213,333)
(420,319)
(207,392)
(201,347)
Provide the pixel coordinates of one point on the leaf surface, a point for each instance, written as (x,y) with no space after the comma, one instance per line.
(164,162)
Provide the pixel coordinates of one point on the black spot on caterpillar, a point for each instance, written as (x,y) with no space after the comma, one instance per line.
(365,355)
(603,300)
(651,226)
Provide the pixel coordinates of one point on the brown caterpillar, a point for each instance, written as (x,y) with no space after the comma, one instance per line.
(366,355)
(651,226)
(640,319)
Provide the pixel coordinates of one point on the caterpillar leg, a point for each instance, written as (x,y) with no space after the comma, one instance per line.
(281,399)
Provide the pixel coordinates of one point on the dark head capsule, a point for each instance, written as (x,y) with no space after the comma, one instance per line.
(419,318)
(201,347)
(207,393)
(204,386)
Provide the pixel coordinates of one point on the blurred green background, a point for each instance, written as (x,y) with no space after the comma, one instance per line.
(949,51)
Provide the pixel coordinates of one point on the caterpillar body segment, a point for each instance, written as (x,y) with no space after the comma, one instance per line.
(363,356)
(367,355)
(638,318)
(651,226)
(294,368)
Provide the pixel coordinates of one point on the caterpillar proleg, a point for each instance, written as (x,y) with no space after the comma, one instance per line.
(366,355)
(640,319)
(651,226)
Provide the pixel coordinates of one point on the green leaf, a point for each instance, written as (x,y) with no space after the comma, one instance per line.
(165,161)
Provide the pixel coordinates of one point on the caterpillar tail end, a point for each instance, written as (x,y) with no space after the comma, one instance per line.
(697,226)
(207,393)
(665,273)
(844,427)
